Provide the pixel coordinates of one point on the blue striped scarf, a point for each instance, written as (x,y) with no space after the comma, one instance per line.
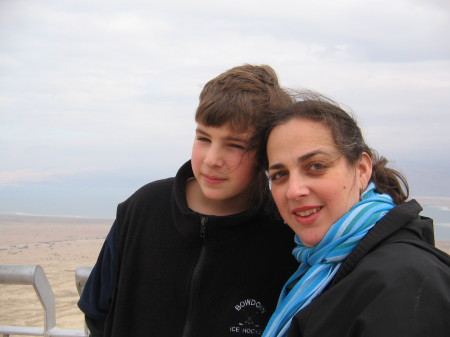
(319,264)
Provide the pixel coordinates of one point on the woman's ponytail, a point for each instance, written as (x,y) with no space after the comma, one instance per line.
(388,180)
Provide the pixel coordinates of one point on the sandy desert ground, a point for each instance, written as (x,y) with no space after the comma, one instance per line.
(59,245)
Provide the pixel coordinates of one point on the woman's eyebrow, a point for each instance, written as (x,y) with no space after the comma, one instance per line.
(301,159)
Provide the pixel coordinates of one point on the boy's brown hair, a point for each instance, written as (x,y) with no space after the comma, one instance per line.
(240,97)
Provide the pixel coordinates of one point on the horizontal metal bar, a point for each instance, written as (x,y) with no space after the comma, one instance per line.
(34,275)
(32,331)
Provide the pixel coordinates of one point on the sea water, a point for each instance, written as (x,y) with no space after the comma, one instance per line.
(441,219)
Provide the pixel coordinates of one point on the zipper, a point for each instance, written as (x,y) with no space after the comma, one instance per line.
(203,222)
(195,282)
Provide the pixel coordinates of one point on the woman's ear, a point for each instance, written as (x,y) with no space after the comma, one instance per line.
(364,170)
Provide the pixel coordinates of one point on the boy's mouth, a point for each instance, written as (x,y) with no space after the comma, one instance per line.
(212,179)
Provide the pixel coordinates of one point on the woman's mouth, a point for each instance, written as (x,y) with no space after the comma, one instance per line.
(306,216)
(308,212)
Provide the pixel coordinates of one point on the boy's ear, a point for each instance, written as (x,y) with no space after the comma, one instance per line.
(364,170)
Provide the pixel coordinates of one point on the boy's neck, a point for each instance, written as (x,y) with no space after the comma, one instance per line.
(197,202)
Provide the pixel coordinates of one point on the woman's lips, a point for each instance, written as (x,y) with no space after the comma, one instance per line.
(306,215)
(306,211)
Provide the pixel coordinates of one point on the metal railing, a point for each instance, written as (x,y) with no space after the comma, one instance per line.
(34,275)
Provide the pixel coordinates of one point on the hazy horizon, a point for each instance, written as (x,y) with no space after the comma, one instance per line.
(440,215)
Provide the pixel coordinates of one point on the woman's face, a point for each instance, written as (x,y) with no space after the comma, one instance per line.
(313,184)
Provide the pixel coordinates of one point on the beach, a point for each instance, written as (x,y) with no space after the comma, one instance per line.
(59,245)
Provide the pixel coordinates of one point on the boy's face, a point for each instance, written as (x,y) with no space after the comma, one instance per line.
(222,164)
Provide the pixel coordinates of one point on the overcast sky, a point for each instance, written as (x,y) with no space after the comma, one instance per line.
(97,97)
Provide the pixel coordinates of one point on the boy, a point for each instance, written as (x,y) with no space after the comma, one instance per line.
(197,254)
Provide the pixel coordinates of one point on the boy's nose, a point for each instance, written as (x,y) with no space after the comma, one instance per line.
(214,158)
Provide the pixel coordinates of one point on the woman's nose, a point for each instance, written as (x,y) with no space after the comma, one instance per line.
(297,187)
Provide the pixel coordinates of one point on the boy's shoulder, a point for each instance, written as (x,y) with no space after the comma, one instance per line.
(155,186)
(155,190)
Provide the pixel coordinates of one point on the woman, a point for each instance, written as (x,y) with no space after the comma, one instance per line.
(368,265)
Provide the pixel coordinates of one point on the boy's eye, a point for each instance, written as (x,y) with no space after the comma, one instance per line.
(238,146)
(202,139)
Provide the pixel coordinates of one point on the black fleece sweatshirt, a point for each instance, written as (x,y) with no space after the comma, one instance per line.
(165,270)
(395,283)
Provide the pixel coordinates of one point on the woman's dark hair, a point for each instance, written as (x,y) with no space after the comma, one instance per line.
(242,98)
(347,136)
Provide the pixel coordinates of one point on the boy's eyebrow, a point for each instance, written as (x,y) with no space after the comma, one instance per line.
(229,138)
(300,159)
(237,139)
(198,130)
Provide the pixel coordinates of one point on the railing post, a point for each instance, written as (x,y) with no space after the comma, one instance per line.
(33,275)
(81,275)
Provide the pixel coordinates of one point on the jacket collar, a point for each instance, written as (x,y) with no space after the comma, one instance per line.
(189,223)
(402,218)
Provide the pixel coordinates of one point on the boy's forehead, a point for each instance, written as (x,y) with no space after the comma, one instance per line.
(225,131)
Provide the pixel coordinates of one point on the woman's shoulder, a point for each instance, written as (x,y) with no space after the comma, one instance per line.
(399,263)
(399,284)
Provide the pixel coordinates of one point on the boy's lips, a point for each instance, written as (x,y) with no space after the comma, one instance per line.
(212,179)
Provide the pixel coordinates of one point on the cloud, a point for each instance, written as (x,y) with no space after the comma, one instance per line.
(113,85)
(25,176)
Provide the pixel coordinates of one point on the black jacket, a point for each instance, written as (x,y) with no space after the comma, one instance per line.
(394,283)
(168,271)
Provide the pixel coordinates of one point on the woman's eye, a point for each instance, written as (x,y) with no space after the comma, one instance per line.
(277,176)
(317,167)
